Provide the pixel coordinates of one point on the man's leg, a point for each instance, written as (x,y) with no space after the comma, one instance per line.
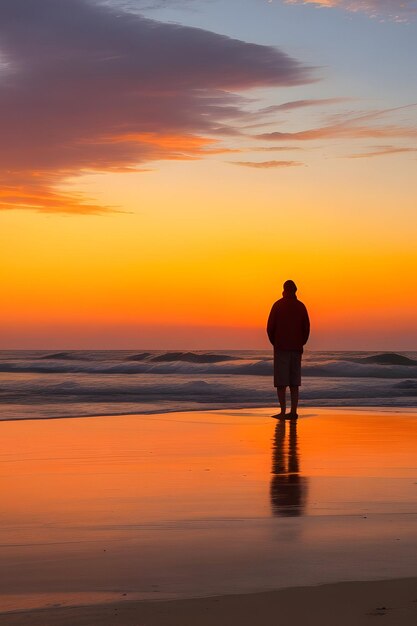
(294,400)
(281,398)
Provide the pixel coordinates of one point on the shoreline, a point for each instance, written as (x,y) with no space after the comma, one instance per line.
(388,408)
(343,603)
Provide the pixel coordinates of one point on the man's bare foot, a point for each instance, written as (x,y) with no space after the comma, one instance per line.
(279,416)
(291,416)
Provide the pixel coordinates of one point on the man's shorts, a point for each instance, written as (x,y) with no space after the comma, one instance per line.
(287,368)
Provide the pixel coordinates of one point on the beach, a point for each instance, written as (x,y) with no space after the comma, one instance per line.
(209,515)
(344,604)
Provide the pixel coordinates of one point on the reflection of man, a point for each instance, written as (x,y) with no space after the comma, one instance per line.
(288,330)
(288,488)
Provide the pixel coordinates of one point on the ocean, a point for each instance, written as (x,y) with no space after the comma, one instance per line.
(47,384)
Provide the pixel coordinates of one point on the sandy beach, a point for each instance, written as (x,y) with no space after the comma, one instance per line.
(210,517)
(344,604)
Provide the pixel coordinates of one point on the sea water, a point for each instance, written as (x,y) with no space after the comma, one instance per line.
(47,384)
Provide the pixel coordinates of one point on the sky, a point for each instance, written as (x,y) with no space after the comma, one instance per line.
(167,164)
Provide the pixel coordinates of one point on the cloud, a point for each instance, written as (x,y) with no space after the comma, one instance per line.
(342,131)
(151,5)
(397,10)
(267,164)
(381,151)
(354,127)
(260,114)
(87,86)
(300,104)
(273,148)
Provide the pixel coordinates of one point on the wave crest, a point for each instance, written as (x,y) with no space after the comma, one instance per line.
(386,358)
(191,357)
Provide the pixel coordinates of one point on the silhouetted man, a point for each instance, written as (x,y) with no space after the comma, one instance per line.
(288,331)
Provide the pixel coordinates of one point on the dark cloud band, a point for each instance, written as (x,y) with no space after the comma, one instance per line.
(89,86)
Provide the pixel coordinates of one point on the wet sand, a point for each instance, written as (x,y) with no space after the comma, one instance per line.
(113,511)
(342,604)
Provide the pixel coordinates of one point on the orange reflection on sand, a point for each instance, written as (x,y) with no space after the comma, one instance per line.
(110,470)
(359,443)
(196,503)
(138,468)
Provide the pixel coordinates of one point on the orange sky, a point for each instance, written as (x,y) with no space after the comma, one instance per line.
(170,217)
(204,247)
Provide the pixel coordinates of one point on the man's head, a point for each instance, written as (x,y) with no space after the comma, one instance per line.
(290,287)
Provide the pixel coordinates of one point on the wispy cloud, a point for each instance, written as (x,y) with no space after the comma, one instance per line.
(381,151)
(273,148)
(398,10)
(88,86)
(261,117)
(267,164)
(344,131)
(301,104)
(350,127)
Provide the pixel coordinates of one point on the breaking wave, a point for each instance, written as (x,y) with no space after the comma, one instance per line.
(188,357)
(70,391)
(124,390)
(138,357)
(387,358)
(72,383)
(60,356)
(192,357)
(384,365)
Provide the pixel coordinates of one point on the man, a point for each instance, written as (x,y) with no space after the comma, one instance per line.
(288,330)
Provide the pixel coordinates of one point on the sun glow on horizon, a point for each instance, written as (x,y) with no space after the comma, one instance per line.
(124,219)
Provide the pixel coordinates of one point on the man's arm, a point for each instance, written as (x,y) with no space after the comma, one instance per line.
(306,326)
(270,327)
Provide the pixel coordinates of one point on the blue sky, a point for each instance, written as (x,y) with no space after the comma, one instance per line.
(360,56)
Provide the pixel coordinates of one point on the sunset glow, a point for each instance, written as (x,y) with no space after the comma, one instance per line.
(161,180)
